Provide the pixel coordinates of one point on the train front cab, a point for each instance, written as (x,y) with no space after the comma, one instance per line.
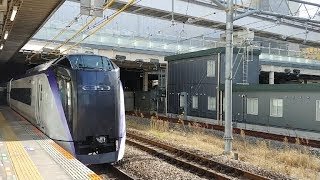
(92,99)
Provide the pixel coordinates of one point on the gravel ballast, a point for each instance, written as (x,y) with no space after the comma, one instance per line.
(145,166)
(222,159)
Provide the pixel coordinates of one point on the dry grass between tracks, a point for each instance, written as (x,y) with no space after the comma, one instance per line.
(297,163)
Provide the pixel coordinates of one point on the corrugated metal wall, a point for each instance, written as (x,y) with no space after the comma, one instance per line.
(299,109)
(190,75)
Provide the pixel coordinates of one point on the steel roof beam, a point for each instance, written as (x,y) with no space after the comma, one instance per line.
(305,2)
(219,4)
(262,25)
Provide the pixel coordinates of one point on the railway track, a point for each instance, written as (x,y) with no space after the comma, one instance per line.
(108,171)
(189,161)
(264,135)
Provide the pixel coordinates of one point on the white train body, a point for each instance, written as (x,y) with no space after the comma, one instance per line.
(80,108)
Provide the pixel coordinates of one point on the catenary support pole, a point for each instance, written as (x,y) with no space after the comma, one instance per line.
(228,78)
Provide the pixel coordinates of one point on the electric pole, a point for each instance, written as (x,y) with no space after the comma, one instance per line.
(228,78)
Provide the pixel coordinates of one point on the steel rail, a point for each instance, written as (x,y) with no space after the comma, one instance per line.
(195,163)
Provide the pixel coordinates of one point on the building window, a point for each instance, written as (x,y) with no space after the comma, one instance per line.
(211,68)
(318,110)
(194,102)
(182,100)
(276,107)
(252,106)
(211,103)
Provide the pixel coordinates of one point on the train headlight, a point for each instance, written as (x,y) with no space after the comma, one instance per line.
(101,139)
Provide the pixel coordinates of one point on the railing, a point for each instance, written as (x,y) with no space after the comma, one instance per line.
(163,43)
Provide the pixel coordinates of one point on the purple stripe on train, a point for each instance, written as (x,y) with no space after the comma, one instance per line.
(54,87)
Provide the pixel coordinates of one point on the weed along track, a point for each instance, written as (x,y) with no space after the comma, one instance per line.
(194,163)
(252,133)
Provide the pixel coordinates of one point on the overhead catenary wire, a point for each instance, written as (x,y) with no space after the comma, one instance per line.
(59,34)
(218,31)
(78,32)
(91,27)
(63,30)
(101,26)
(101,21)
(235,6)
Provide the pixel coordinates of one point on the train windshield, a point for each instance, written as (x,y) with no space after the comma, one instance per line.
(91,62)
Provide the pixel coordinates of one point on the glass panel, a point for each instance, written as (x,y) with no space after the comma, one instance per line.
(210,68)
(276,107)
(280,102)
(182,101)
(75,61)
(107,64)
(273,111)
(252,106)
(211,103)
(91,62)
(256,106)
(195,102)
(274,102)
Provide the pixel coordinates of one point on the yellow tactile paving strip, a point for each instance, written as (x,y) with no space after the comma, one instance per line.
(23,165)
(62,151)
(94,177)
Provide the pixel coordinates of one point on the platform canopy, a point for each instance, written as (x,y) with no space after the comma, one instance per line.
(31,16)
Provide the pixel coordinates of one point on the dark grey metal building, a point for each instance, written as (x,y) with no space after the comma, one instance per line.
(294,106)
(193,79)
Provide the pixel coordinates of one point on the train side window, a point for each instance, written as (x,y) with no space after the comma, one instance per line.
(21,94)
(252,106)
(317,110)
(276,107)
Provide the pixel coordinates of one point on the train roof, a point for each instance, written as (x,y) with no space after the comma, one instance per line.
(45,66)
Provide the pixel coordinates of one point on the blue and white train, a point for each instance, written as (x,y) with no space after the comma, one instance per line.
(78,102)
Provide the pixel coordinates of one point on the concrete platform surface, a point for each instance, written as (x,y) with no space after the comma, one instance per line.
(26,153)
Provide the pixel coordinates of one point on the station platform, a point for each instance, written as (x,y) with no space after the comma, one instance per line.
(26,153)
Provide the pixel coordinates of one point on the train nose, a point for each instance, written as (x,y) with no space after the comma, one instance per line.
(97,105)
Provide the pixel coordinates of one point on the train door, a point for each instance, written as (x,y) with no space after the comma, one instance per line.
(64,85)
(39,104)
